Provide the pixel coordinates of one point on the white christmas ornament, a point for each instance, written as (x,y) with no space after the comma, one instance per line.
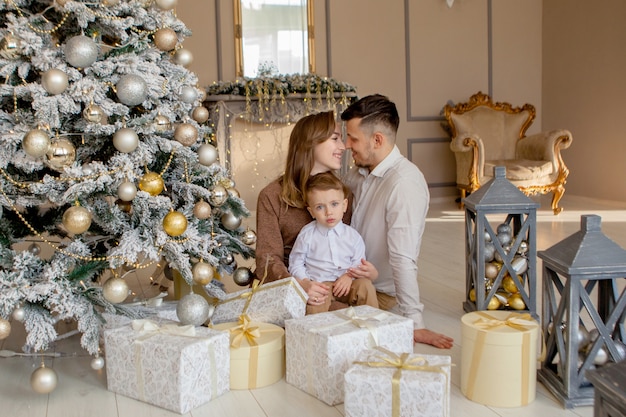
(125,140)
(36,143)
(43,380)
(54,81)
(166,4)
(126,191)
(188,94)
(131,89)
(115,290)
(97,363)
(207,154)
(183,57)
(80,51)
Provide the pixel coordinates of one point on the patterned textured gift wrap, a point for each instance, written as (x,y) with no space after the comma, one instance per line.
(167,365)
(273,302)
(321,347)
(257,353)
(383,383)
(499,358)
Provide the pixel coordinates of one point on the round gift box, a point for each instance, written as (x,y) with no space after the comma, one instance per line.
(259,364)
(499,358)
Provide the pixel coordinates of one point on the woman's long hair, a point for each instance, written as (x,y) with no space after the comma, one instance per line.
(308,132)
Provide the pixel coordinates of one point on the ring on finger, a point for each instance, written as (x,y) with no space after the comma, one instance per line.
(315,299)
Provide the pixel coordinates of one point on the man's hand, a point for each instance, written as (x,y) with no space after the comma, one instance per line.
(366,270)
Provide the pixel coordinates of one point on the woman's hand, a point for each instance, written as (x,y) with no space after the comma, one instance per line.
(366,270)
(317,292)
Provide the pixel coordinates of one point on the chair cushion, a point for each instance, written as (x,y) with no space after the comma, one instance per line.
(520,169)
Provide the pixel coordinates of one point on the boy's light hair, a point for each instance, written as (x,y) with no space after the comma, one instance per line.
(323,182)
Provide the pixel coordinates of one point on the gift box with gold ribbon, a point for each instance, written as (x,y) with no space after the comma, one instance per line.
(257,353)
(272,302)
(499,358)
(162,363)
(321,347)
(382,383)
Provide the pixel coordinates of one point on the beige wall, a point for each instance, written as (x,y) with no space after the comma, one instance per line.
(420,53)
(584,90)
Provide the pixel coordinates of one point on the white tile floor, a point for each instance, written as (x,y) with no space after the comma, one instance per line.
(82,392)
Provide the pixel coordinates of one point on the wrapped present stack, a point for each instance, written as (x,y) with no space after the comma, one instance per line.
(171,366)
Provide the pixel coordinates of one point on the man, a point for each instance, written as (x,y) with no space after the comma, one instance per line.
(391,201)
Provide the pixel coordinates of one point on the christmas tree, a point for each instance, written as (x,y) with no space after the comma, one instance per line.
(106,159)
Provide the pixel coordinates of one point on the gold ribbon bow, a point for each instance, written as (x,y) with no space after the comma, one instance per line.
(522,322)
(402,362)
(244,330)
(351,317)
(149,328)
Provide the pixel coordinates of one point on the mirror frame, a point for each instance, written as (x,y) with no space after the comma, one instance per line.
(239,37)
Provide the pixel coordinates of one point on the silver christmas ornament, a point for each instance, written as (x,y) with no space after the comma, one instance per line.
(207,154)
(54,81)
(504,228)
(36,143)
(183,57)
(10,46)
(97,363)
(186,133)
(88,168)
(504,238)
(202,273)
(131,89)
(95,114)
(80,51)
(219,195)
(162,123)
(490,251)
(188,94)
(192,309)
(115,290)
(200,114)
(165,39)
(19,314)
(127,191)
(248,237)
(166,4)
(202,210)
(523,247)
(34,248)
(60,154)
(242,276)
(43,380)
(125,140)
(230,221)
(228,259)
(601,357)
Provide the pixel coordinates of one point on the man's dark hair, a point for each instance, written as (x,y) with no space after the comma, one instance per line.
(373,110)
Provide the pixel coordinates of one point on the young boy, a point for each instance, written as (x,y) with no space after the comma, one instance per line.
(326,248)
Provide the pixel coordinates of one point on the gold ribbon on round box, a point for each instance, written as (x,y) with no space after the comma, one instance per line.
(499,358)
(257,353)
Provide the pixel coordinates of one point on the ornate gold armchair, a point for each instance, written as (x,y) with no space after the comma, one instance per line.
(487,134)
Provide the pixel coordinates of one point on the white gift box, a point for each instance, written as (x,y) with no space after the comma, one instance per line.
(382,383)
(167,365)
(273,302)
(321,347)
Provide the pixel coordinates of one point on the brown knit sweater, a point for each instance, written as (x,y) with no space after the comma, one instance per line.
(277,226)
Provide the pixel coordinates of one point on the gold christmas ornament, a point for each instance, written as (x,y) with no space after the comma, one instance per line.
(166,4)
(202,273)
(43,380)
(125,206)
(219,195)
(494,304)
(186,133)
(516,302)
(508,284)
(95,114)
(115,290)
(152,183)
(5,328)
(183,57)
(162,123)
(60,154)
(472,295)
(207,154)
(54,81)
(77,219)
(200,114)
(165,39)
(175,223)
(36,143)
(108,2)
(125,140)
(10,46)
(202,210)
(248,237)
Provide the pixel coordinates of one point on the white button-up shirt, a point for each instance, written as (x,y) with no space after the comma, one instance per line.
(324,254)
(390,209)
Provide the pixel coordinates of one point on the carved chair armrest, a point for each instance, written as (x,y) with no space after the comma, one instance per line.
(544,146)
(472,149)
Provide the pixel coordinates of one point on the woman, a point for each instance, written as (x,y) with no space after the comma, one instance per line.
(315,146)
